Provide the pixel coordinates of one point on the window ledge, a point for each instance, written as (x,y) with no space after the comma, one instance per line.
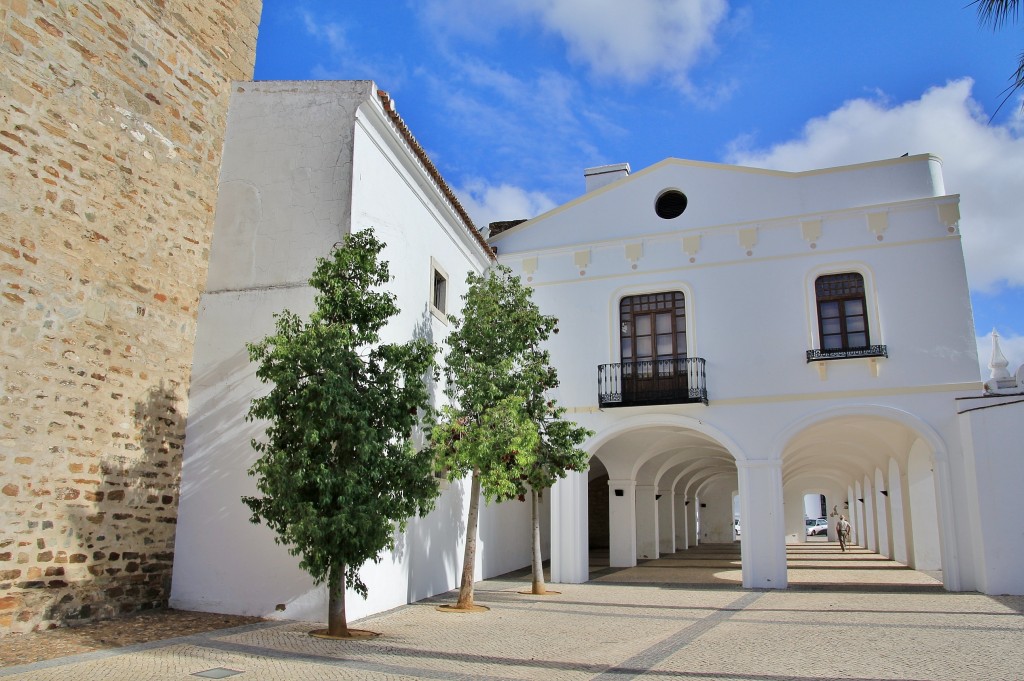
(439,315)
(849,353)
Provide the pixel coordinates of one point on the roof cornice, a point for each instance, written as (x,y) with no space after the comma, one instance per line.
(417,151)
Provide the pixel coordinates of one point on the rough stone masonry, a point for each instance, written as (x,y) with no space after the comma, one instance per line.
(112,117)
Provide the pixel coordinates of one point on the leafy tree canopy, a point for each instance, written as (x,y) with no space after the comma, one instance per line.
(499,425)
(337,471)
(493,367)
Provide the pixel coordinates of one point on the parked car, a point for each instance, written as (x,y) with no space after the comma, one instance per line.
(816,526)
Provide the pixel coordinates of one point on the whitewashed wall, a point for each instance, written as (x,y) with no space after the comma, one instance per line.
(304,164)
(746,253)
(995,461)
(753,316)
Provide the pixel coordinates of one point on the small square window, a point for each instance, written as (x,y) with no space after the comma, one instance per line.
(438,291)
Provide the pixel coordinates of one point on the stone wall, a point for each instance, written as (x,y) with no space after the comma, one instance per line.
(112,116)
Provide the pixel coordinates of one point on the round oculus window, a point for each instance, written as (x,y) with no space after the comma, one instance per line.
(670,204)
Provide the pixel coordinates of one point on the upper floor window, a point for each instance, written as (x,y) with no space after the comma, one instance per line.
(652,326)
(654,366)
(842,311)
(438,291)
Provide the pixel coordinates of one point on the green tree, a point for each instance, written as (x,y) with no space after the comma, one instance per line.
(557,452)
(494,367)
(337,470)
(557,448)
(997,14)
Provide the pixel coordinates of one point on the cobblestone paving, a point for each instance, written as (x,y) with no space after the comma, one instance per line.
(612,631)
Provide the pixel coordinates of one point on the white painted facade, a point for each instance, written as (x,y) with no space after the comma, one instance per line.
(878,436)
(885,439)
(305,163)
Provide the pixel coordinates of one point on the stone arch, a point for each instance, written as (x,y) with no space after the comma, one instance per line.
(928,434)
(678,421)
(625,447)
(871,437)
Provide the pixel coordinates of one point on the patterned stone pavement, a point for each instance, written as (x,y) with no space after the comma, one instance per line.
(617,628)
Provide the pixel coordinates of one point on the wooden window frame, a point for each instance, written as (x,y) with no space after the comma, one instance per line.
(841,288)
(652,303)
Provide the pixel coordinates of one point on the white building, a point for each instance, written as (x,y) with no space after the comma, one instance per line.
(766,334)
(305,163)
(724,331)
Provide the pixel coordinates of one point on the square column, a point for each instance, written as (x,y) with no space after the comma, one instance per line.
(570,553)
(908,519)
(860,527)
(870,536)
(622,523)
(691,522)
(646,522)
(679,511)
(666,523)
(764,530)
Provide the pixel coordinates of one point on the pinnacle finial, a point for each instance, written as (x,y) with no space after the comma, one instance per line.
(998,362)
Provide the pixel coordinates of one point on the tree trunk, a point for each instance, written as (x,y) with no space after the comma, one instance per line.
(337,624)
(469,558)
(539,588)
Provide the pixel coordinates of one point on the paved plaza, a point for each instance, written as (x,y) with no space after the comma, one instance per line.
(841,620)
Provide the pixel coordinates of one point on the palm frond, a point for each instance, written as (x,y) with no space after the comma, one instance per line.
(998,13)
(1017,85)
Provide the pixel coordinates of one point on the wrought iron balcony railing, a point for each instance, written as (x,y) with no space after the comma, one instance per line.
(659,381)
(846,353)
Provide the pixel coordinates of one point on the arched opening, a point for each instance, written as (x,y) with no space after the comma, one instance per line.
(653,491)
(815,514)
(874,468)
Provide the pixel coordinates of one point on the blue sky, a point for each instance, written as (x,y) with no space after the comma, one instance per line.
(512,99)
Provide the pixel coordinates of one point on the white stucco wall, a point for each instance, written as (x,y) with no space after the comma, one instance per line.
(995,460)
(304,163)
(285,194)
(746,253)
(716,512)
(921,315)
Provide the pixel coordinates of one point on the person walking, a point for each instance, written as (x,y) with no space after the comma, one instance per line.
(843,530)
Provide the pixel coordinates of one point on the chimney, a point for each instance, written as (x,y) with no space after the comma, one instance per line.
(602,175)
(496,228)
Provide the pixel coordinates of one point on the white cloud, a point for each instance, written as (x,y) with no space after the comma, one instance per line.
(332,33)
(637,39)
(982,162)
(488,203)
(631,41)
(344,61)
(1012,347)
(531,128)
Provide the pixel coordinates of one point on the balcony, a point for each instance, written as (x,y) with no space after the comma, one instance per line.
(847,353)
(679,380)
